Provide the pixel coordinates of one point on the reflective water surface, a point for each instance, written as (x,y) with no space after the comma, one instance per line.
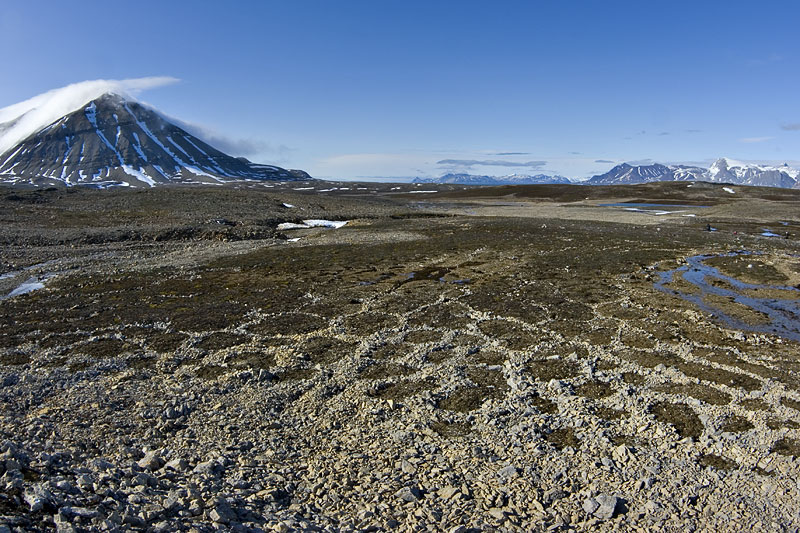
(782,316)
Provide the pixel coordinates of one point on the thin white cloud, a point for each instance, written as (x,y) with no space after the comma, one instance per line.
(236,146)
(751,140)
(468,163)
(790,126)
(19,121)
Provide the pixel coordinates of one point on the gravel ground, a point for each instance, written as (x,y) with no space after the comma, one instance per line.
(188,367)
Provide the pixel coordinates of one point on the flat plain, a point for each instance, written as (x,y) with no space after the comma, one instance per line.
(506,358)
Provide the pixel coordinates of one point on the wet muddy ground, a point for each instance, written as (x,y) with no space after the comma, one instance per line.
(535,335)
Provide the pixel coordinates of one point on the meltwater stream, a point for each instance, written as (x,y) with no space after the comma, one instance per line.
(783,315)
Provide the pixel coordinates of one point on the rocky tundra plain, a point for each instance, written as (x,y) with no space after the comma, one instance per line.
(467,359)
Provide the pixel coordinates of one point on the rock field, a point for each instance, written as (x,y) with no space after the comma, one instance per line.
(189,367)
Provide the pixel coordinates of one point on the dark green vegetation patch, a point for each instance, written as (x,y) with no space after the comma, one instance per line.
(787,446)
(717,462)
(680,416)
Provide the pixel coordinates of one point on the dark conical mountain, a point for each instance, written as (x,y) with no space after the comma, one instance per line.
(112,140)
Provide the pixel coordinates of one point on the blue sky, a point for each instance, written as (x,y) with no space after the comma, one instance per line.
(365,89)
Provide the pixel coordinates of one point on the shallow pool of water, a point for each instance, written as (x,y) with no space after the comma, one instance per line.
(782,315)
(634,204)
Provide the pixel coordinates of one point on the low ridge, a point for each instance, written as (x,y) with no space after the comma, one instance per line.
(513,179)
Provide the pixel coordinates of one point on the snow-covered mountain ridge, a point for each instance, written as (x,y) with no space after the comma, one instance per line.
(723,170)
(112,140)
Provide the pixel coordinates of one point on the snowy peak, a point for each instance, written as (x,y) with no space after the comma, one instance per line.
(114,140)
(723,170)
(719,170)
(730,171)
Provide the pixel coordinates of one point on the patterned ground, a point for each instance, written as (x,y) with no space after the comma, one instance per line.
(475,334)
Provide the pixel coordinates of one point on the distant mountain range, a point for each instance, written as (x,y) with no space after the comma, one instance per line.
(723,170)
(513,179)
(106,140)
(115,141)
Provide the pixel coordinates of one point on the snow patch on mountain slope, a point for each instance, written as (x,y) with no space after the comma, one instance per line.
(153,138)
(139,174)
(91,116)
